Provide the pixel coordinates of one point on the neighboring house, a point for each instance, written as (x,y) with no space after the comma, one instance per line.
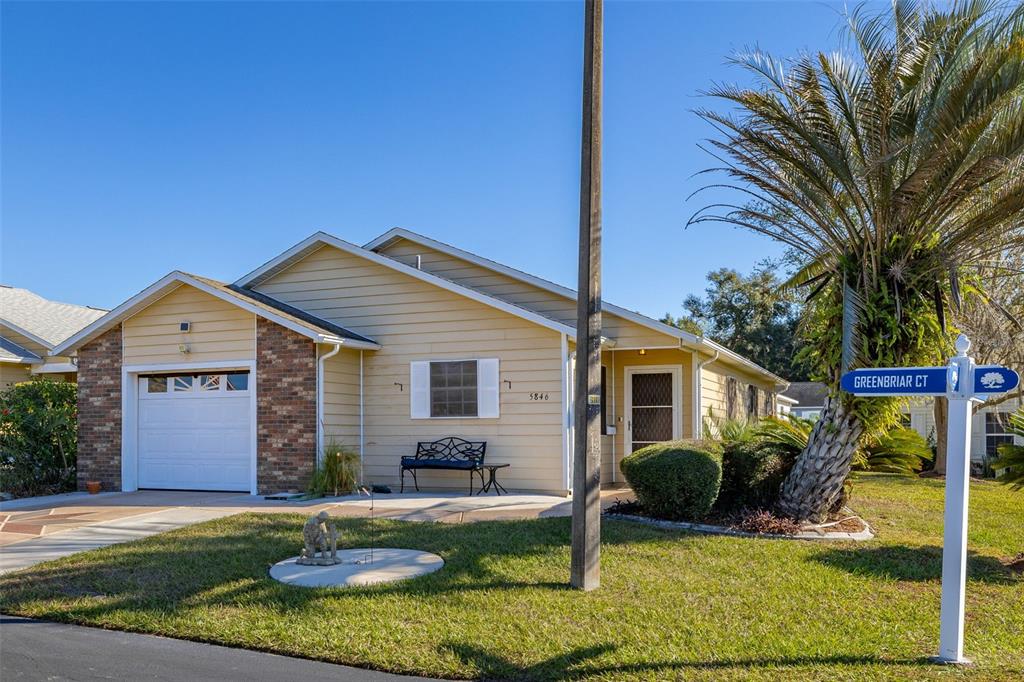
(196,384)
(784,405)
(809,397)
(988,427)
(30,327)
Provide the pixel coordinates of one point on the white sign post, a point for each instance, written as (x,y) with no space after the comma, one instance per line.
(958,471)
(963,383)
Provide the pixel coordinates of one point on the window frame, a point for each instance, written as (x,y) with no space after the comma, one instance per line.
(475,389)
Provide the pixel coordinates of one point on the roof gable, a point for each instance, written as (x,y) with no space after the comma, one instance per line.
(683,337)
(321,239)
(302,323)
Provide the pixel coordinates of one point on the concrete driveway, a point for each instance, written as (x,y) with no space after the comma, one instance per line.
(33,531)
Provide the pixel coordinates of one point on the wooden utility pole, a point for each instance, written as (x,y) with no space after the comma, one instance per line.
(586,477)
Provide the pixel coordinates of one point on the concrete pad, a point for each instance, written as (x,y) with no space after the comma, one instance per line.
(388,566)
(46,548)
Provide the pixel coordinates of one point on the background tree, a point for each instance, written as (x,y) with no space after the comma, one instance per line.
(753,315)
(993,325)
(895,171)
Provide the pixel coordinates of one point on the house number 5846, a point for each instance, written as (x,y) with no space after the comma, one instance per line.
(539,396)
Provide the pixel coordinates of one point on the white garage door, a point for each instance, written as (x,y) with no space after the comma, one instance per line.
(194,431)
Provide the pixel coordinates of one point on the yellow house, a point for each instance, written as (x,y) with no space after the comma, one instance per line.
(198,384)
(30,327)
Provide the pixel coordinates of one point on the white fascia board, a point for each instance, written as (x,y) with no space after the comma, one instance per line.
(421,275)
(25,360)
(175,279)
(55,367)
(26,333)
(633,316)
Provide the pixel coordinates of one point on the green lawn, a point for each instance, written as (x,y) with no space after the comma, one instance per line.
(672,605)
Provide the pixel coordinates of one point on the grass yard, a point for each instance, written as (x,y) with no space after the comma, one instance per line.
(672,604)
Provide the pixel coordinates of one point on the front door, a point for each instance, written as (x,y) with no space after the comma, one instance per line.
(652,405)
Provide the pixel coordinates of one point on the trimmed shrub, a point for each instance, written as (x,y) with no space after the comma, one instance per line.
(38,437)
(752,473)
(676,481)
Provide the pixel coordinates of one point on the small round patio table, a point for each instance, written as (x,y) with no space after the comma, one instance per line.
(491,480)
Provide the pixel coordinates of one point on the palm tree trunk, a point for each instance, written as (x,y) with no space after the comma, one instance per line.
(815,484)
(941,413)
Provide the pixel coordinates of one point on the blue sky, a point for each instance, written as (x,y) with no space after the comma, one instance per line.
(143,137)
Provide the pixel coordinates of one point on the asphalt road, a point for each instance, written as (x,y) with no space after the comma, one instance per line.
(37,650)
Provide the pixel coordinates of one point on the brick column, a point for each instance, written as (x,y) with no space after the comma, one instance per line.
(99,411)
(285,408)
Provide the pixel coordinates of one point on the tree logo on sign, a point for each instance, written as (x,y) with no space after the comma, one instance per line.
(992,380)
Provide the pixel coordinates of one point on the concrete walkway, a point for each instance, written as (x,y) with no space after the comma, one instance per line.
(37,650)
(58,526)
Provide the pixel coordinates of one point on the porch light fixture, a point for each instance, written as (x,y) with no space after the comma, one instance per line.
(643,351)
(185,348)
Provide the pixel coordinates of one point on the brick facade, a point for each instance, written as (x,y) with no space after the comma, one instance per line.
(285,408)
(99,411)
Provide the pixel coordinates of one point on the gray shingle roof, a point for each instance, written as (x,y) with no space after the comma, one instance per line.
(13,352)
(49,320)
(318,324)
(807,393)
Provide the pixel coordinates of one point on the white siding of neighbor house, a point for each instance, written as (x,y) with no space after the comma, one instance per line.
(414,320)
(922,420)
(220,330)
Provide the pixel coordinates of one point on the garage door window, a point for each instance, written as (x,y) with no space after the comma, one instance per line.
(209,382)
(193,385)
(156,385)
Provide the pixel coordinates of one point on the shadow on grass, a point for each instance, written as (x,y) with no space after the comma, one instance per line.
(900,562)
(579,663)
(226,562)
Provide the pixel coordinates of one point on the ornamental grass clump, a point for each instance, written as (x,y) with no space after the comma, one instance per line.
(337,473)
(678,480)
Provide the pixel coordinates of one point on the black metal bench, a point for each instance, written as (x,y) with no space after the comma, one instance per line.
(448,453)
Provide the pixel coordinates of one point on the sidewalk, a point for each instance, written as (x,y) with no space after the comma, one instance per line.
(52,527)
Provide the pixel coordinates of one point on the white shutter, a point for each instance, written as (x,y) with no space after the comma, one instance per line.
(487,388)
(419,390)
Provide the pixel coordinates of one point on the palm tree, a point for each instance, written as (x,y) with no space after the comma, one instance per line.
(895,170)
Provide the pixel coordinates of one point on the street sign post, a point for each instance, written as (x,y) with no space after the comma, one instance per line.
(962,382)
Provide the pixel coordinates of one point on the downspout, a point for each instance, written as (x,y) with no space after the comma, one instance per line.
(699,390)
(320,401)
(362,479)
(615,422)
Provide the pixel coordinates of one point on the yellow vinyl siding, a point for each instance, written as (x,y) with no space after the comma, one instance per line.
(220,330)
(625,332)
(341,398)
(414,320)
(13,373)
(616,409)
(713,390)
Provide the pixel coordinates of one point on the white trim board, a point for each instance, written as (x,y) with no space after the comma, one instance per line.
(175,279)
(309,244)
(401,233)
(26,333)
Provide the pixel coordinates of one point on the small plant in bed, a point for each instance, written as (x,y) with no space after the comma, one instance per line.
(337,472)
